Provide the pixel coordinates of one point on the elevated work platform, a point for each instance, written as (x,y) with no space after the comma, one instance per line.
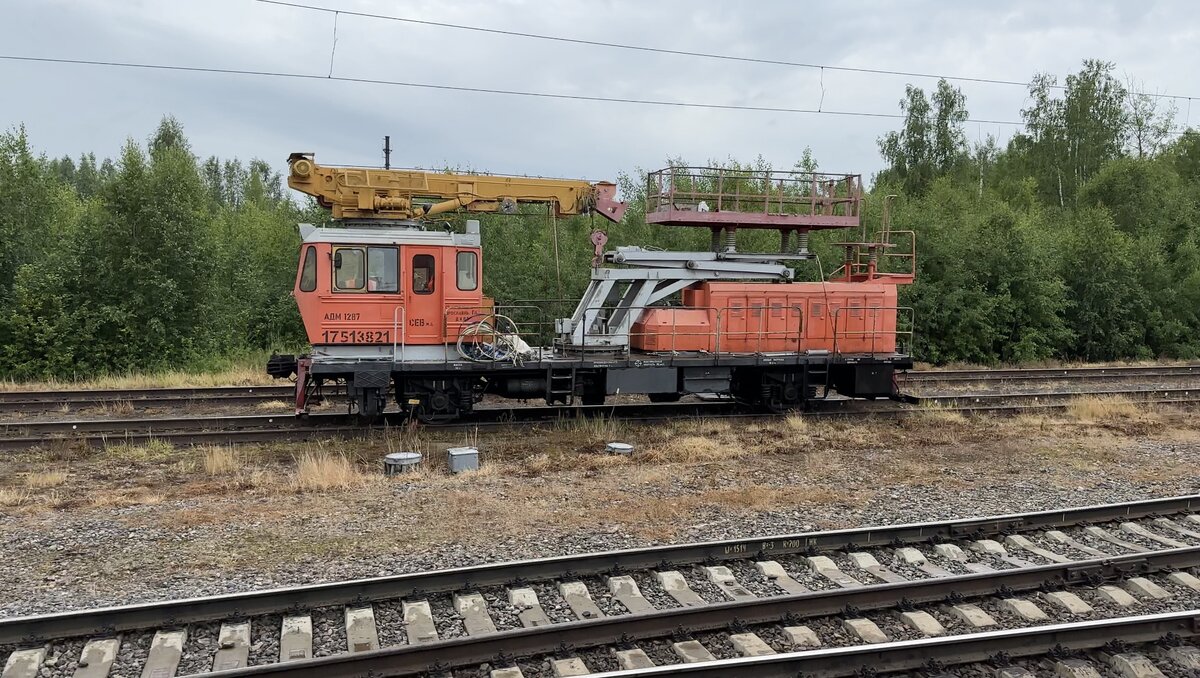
(724,199)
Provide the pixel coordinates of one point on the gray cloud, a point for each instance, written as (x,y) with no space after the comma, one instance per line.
(69,109)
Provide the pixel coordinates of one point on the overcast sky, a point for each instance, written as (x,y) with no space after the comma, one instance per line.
(69,108)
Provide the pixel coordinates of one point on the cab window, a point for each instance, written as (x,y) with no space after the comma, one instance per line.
(468,267)
(348,269)
(308,275)
(422,273)
(382,274)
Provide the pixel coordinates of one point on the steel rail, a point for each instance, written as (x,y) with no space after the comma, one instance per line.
(474,650)
(14,401)
(1051,373)
(148,615)
(282,427)
(946,650)
(1052,397)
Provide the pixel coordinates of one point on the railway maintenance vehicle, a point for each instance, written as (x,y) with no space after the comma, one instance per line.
(394,306)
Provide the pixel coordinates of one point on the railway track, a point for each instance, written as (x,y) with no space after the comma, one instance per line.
(234,429)
(240,396)
(951,583)
(1118,372)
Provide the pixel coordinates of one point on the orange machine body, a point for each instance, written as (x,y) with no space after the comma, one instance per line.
(384,287)
(746,317)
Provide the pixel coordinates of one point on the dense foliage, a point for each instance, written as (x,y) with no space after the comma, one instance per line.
(1078,240)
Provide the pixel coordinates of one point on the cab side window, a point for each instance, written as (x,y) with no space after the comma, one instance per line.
(382,273)
(308,275)
(468,267)
(348,269)
(422,274)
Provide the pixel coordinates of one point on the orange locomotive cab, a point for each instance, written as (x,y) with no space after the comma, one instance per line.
(378,288)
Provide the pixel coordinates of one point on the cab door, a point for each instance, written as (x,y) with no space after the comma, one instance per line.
(423,295)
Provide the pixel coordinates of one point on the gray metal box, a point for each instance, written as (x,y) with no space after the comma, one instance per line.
(463,459)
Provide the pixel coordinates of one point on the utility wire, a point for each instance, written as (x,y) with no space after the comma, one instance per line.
(662,50)
(479,90)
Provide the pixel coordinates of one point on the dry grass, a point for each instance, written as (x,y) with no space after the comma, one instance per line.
(10,497)
(319,471)
(938,414)
(117,408)
(1092,409)
(45,479)
(154,449)
(597,428)
(247,371)
(273,406)
(221,460)
(691,449)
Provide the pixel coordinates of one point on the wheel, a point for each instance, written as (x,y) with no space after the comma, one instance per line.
(592,398)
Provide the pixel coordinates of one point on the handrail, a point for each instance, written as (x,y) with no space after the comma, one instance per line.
(398,329)
(874,333)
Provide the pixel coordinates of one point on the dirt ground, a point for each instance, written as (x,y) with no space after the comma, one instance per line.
(83,527)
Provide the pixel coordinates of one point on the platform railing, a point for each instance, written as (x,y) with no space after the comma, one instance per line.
(873,331)
(772,192)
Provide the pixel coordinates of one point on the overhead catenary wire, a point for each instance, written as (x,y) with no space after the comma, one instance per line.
(480,90)
(680,52)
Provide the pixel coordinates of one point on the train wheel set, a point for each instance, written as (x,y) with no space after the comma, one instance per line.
(395,311)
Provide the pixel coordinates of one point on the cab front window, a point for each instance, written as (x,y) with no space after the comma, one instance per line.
(366,269)
(348,269)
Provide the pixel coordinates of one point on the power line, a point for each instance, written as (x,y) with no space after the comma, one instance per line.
(677,52)
(477,90)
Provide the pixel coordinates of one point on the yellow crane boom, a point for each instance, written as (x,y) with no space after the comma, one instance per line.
(364,193)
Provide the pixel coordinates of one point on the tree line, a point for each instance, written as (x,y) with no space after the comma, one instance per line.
(1076,240)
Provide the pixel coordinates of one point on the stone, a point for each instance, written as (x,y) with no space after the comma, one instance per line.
(824,566)
(677,587)
(633,659)
(867,563)
(529,608)
(1024,543)
(801,637)
(1023,609)
(418,623)
(724,580)
(1136,529)
(692,652)
(1068,602)
(512,672)
(1187,656)
(580,600)
(295,638)
(1144,588)
(233,644)
(972,615)
(1116,596)
(774,571)
(166,649)
(1185,580)
(627,593)
(474,612)
(573,666)
(361,634)
(1063,538)
(24,663)
(1133,665)
(1075,668)
(923,623)
(865,630)
(750,645)
(990,546)
(1105,535)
